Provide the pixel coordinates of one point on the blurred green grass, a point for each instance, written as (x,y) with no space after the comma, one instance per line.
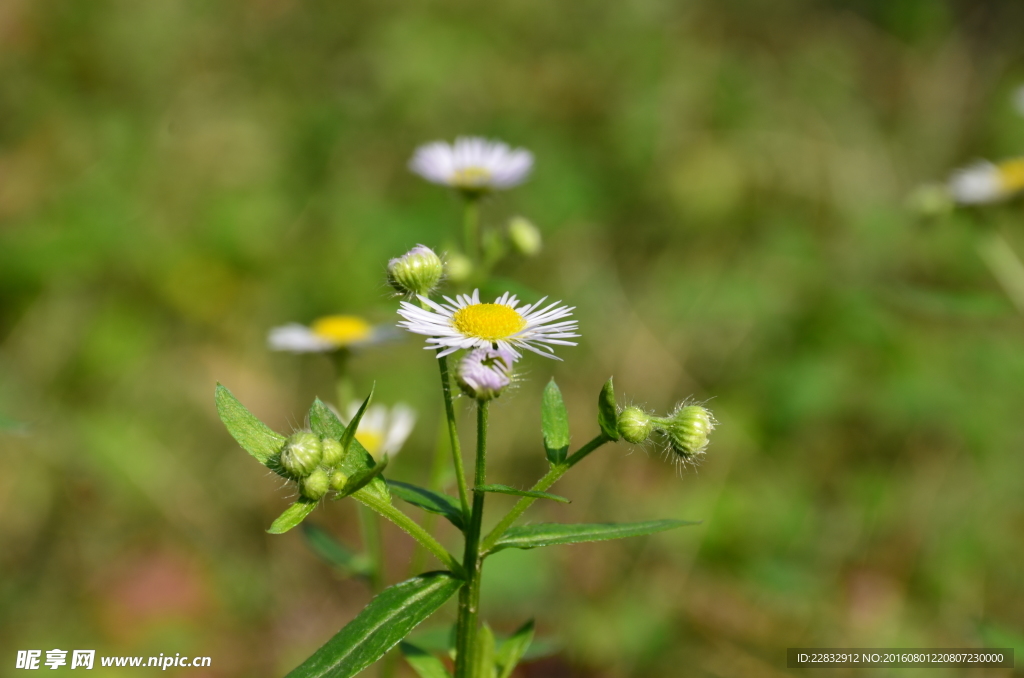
(720,186)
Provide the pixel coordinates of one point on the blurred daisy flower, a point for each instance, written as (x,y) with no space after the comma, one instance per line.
(986,182)
(472,164)
(465,322)
(329,333)
(384,430)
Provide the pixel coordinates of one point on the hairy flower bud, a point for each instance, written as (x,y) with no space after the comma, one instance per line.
(301,453)
(635,425)
(687,429)
(316,484)
(485,372)
(524,236)
(338,480)
(416,272)
(332,452)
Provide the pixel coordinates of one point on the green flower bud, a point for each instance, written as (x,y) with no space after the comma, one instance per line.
(333,452)
(316,484)
(635,425)
(301,453)
(416,272)
(524,236)
(458,268)
(338,480)
(687,430)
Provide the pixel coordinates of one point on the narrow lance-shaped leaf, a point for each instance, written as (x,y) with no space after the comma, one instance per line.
(554,423)
(483,654)
(422,662)
(388,618)
(505,489)
(293,515)
(512,650)
(607,417)
(334,552)
(362,478)
(550,534)
(350,432)
(253,435)
(429,500)
(324,422)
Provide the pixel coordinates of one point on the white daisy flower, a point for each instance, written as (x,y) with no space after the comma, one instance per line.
(466,323)
(986,182)
(472,164)
(382,430)
(329,333)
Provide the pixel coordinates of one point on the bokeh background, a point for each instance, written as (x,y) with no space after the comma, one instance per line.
(721,187)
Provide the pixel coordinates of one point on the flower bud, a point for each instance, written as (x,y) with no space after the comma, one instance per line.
(484,372)
(416,272)
(458,268)
(301,453)
(316,484)
(524,236)
(687,430)
(338,480)
(332,452)
(635,425)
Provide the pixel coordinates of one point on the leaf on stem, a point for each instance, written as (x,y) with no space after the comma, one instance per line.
(607,417)
(505,489)
(422,662)
(388,618)
(293,515)
(334,552)
(324,422)
(551,534)
(253,435)
(512,650)
(429,500)
(364,477)
(350,432)
(483,654)
(554,423)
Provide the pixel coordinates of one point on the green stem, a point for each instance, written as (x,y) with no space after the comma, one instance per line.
(410,527)
(453,434)
(549,479)
(471,228)
(342,380)
(469,595)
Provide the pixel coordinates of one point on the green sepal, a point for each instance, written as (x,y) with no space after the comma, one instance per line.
(357,461)
(512,650)
(422,662)
(606,411)
(554,424)
(335,553)
(483,653)
(293,515)
(389,617)
(429,500)
(551,534)
(253,435)
(505,489)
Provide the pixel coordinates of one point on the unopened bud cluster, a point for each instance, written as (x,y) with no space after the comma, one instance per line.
(686,430)
(484,373)
(314,462)
(418,271)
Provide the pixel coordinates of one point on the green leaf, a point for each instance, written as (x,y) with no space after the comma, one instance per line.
(483,654)
(512,650)
(253,435)
(292,516)
(364,477)
(350,433)
(429,500)
(334,552)
(324,422)
(380,626)
(422,662)
(357,461)
(554,423)
(607,417)
(505,489)
(550,534)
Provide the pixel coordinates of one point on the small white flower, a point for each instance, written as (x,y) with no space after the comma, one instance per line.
(464,322)
(382,430)
(472,164)
(329,333)
(986,182)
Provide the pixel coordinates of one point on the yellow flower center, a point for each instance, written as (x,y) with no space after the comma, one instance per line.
(372,441)
(342,330)
(488,321)
(1011,174)
(471,177)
